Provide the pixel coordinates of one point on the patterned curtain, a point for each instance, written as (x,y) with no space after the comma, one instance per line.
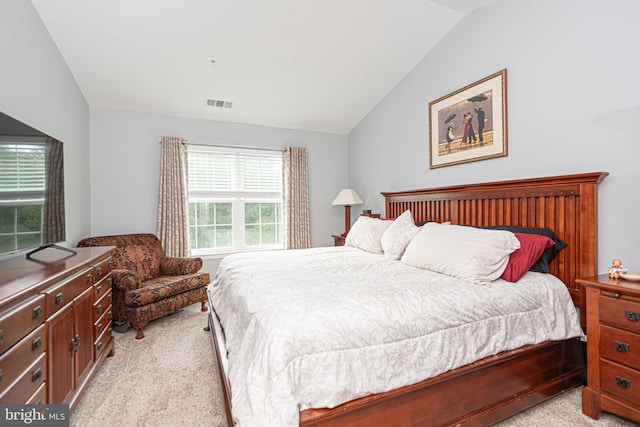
(296,198)
(53,229)
(172,198)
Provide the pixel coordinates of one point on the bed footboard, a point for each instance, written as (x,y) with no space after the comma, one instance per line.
(479,394)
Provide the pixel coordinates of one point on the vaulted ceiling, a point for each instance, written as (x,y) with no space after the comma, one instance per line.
(317,65)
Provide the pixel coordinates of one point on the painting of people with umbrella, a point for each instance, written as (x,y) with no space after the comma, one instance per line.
(469,124)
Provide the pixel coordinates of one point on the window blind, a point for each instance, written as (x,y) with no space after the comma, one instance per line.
(22,167)
(219,171)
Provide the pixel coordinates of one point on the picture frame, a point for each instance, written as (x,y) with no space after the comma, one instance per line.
(469,124)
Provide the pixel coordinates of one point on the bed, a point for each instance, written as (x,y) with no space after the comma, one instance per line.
(499,385)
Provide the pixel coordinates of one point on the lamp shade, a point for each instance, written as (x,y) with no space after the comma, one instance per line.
(347,197)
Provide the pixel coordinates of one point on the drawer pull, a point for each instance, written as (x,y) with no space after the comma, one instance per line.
(623,382)
(99,271)
(89,278)
(99,308)
(37,374)
(109,281)
(99,327)
(110,298)
(37,312)
(1,336)
(100,345)
(99,290)
(0,376)
(59,298)
(622,347)
(110,314)
(616,295)
(632,316)
(36,344)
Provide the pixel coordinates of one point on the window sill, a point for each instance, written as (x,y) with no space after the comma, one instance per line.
(220,255)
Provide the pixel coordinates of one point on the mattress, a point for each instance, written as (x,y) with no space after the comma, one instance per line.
(318,327)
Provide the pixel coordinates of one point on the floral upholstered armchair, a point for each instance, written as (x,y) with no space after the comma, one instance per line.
(146,284)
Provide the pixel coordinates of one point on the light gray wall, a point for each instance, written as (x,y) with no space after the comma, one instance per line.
(573,107)
(37,88)
(125,166)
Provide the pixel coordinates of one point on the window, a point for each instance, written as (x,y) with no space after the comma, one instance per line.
(22,188)
(235,200)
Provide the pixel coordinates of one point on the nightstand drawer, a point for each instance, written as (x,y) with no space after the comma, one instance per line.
(620,381)
(338,240)
(620,346)
(620,312)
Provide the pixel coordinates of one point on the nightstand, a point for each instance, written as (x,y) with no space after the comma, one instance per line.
(613,347)
(338,240)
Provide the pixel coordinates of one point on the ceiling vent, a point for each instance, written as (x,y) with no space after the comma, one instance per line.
(219,103)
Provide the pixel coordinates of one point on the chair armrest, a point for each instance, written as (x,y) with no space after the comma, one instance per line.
(179,266)
(124,280)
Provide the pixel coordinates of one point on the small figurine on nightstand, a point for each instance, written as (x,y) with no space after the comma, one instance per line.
(616,269)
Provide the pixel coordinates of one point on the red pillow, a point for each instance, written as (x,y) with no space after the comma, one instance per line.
(521,260)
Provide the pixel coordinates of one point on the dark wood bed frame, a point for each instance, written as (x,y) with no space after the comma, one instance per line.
(499,386)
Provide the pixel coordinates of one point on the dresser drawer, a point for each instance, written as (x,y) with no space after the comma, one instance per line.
(14,362)
(620,381)
(100,288)
(61,295)
(103,340)
(101,269)
(39,397)
(102,305)
(620,312)
(101,324)
(620,346)
(27,384)
(19,321)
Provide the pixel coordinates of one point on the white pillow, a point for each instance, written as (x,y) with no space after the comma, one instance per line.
(366,234)
(398,235)
(469,253)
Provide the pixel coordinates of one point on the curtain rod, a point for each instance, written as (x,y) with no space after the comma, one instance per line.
(246,147)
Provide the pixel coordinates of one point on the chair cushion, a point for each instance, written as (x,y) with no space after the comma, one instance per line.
(164,287)
(145,313)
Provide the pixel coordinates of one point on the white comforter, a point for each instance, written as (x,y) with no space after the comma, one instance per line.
(318,327)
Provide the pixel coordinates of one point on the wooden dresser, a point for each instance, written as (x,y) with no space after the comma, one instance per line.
(55,324)
(613,347)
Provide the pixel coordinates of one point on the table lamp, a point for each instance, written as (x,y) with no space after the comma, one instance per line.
(347,197)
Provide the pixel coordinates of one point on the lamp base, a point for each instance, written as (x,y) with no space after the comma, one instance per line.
(347,220)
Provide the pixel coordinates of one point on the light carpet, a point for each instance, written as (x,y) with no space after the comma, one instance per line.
(170,378)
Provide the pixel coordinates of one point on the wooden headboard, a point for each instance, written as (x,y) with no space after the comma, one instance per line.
(566,204)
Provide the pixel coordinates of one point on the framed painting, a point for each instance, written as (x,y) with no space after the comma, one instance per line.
(469,124)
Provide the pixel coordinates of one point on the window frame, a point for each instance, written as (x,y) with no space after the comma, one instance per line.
(24,195)
(238,199)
